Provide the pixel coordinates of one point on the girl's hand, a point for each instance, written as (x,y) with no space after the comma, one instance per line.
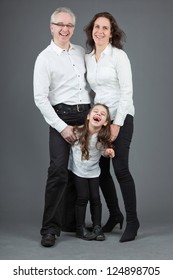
(110,153)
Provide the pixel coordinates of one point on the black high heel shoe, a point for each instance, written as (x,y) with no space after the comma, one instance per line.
(112,222)
(130,232)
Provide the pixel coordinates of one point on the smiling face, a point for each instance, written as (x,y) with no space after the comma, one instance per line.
(101,32)
(97,117)
(64,31)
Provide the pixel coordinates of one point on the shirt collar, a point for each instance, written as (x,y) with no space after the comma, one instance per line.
(59,50)
(107,50)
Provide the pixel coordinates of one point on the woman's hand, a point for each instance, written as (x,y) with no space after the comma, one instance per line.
(115,129)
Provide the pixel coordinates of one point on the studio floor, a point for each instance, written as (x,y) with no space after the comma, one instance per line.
(22,242)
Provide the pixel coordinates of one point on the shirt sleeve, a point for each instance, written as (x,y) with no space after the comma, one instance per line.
(41,84)
(124,73)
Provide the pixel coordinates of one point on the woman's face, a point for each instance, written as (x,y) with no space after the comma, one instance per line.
(101,33)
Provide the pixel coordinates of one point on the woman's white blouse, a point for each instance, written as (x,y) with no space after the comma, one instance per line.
(111,80)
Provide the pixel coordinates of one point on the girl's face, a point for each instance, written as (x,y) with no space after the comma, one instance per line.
(101,32)
(98,116)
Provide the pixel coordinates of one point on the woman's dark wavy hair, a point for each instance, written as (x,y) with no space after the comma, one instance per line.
(104,134)
(118,35)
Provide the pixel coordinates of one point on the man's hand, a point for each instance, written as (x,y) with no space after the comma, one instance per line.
(115,129)
(68,134)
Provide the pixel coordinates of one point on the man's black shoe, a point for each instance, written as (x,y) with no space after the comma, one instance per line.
(48,240)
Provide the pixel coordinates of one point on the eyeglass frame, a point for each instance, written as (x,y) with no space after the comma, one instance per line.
(60,24)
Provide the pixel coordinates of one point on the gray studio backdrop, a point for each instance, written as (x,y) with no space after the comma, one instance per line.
(24,133)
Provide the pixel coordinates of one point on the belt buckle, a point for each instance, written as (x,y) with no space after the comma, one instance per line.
(78,108)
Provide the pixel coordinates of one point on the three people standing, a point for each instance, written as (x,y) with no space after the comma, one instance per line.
(61,94)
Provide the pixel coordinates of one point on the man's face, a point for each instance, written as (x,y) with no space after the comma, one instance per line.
(62,29)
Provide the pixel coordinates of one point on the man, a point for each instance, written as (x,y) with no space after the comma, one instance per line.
(61,95)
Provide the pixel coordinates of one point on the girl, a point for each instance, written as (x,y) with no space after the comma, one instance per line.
(93,141)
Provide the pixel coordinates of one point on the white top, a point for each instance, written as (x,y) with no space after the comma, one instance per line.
(85,168)
(111,80)
(59,77)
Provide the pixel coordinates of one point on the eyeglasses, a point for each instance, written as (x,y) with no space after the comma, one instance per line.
(60,24)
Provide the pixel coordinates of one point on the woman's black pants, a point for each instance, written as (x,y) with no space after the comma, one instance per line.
(121,169)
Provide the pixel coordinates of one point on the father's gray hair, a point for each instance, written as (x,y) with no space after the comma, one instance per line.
(64,10)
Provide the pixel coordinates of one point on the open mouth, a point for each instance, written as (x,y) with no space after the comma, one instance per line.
(96,118)
(99,36)
(63,35)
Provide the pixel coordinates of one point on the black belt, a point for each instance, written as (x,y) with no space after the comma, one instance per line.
(71,108)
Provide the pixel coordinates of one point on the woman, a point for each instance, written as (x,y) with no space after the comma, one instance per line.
(109,76)
(93,141)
